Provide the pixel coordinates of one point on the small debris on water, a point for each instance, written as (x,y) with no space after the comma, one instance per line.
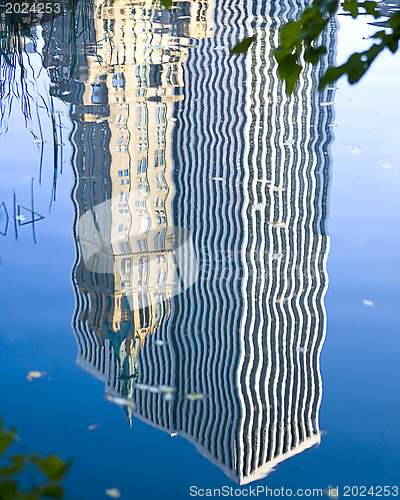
(172,120)
(354,149)
(217,178)
(332,125)
(385,164)
(194,396)
(120,401)
(328,103)
(168,397)
(166,388)
(277,224)
(93,427)
(368,303)
(160,342)
(113,493)
(259,206)
(35,374)
(173,434)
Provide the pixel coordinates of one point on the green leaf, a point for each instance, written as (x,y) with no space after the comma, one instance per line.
(8,490)
(19,461)
(371,8)
(166,3)
(290,33)
(52,466)
(29,496)
(313,54)
(331,75)
(289,71)
(243,46)
(395,21)
(351,6)
(6,439)
(393,45)
(52,491)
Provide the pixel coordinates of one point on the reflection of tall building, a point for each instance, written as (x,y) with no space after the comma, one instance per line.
(121,106)
(251,177)
(248,334)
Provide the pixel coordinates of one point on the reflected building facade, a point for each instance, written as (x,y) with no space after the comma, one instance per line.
(122,77)
(215,146)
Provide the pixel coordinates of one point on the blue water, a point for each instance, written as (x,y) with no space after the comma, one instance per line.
(360,407)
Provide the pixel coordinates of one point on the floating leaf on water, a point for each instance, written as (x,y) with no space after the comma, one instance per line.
(194,396)
(173,434)
(277,224)
(120,401)
(166,388)
(35,374)
(385,164)
(276,188)
(142,387)
(93,427)
(328,103)
(332,125)
(354,149)
(160,342)
(145,387)
(113,493)
(259,206)
(368,303)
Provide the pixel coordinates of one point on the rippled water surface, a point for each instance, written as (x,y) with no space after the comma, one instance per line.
(204,270)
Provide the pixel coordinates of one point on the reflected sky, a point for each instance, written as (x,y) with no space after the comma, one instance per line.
(215,335)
